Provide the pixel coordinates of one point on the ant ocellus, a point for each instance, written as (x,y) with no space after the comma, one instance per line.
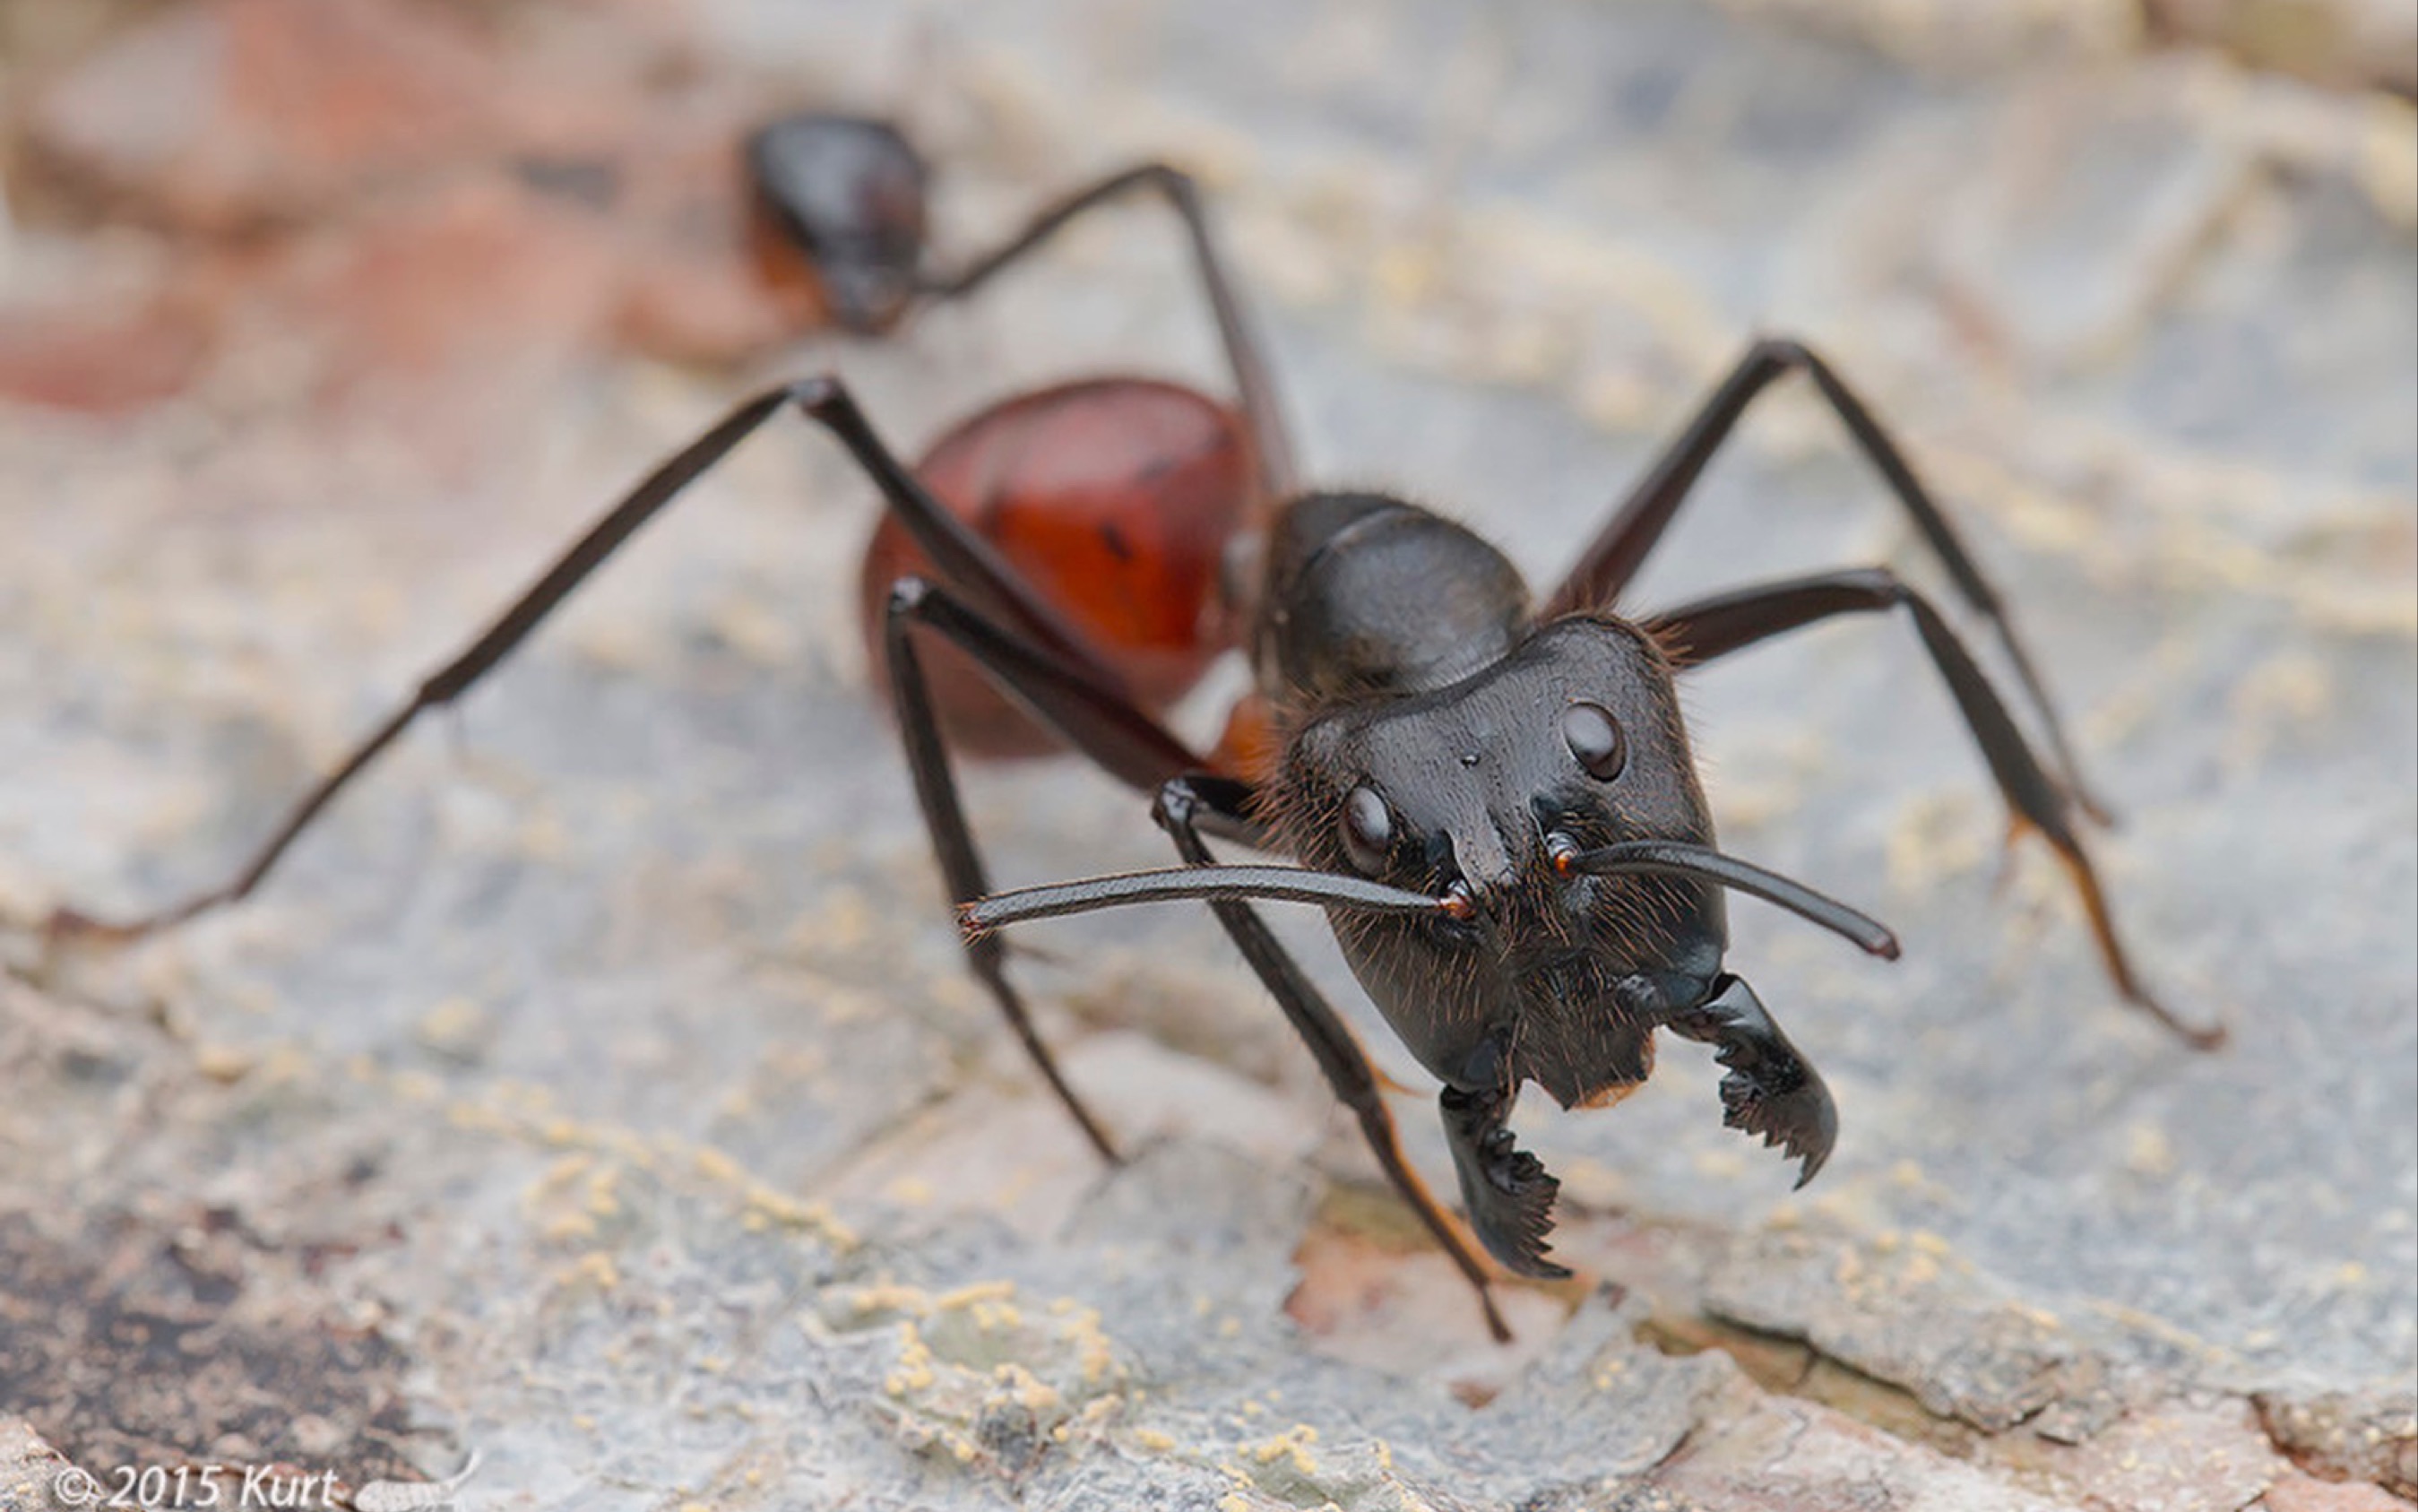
(1493,801)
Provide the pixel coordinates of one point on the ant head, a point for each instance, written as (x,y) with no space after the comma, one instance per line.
(1481,792)
(847,192)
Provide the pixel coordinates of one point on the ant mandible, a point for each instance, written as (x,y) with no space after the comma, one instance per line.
(1492,799)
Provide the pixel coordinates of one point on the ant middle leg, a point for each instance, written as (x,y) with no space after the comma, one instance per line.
(1714,626)
(1621,547)
(970,562)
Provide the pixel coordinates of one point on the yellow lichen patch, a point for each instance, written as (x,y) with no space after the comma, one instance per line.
(1029,1391)
(838,922)
(973,1371)
(2149,1152)
(474,1118)
(517,1110)
(1152,1440)
(1937,836)
(560,1175)
(913,1372)
(2283,697)
(887,1297)
(568,1228)
(452,1027)
(968,1296)
(223,1063)
(596,1268)
(1098,1361)
(715,1165)
(1293,1446)
(418,1086)
(603,1192)
(789,1213)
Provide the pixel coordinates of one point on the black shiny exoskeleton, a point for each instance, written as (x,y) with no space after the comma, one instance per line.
(1494,798)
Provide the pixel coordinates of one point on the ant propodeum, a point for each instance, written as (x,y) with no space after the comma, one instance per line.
(1491,796)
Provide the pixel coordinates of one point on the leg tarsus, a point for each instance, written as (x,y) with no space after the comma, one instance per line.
(2111,950)
(1770,1089)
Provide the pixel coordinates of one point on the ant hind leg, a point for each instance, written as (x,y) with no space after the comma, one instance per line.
(965,557)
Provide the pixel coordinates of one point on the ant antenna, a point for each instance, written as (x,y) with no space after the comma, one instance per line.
(1677,858)
(1280,884)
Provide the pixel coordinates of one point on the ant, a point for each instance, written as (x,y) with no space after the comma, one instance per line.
(1492,797)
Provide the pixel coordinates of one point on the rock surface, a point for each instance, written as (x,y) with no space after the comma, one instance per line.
(599,1092)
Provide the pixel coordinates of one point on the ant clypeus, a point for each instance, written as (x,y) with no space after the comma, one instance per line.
(1493,799)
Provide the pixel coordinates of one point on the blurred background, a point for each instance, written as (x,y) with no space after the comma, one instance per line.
(598,1088)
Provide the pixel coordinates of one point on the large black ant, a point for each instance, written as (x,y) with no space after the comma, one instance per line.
(1492,799)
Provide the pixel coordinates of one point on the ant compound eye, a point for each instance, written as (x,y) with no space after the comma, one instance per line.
(1368,830)
(1595,739)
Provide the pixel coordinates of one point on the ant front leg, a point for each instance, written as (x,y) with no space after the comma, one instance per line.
(1188,805)
(1128,745)
(1770,1089)
(1613,557)
(968,561)
(1712,628)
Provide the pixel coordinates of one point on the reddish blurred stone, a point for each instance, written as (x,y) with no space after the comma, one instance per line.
(101,361)
(2297,1493)
(1755,1453)
(227,113)
(441,320)
(2178,1453)
(698,286)
(243,116)
(2369,1435)
(1376,1291)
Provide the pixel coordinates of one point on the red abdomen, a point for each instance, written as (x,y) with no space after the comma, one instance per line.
(1115,498)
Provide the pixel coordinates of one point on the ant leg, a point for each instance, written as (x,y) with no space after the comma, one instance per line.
(1770,1089)
(1184,803)
(1271,443)
(968,561)
(1712,627)
(1102,724)
(1613,557)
